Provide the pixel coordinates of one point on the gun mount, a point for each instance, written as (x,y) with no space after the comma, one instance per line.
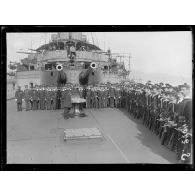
(84,75)
(62,77)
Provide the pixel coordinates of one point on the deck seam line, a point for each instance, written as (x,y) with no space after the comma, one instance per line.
(118,148)
(113,142)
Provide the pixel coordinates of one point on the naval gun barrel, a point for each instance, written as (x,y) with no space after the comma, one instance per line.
(84,75)
(61,78)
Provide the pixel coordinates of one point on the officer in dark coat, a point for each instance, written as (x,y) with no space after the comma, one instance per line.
(38,97)
(53,98)
(88,98)
(112,97)
(34,98)
(100,98)
(184,107)
(27,97)
(18,98)
(67,103)
(92,102)
(96,100)
(105,97)
(31,101)
(58,98)
(42,99)
(48,98)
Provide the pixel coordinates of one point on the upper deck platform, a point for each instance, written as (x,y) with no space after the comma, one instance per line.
(61,55)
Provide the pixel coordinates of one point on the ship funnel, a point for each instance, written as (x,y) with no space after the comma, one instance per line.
(84,75)
(59,67)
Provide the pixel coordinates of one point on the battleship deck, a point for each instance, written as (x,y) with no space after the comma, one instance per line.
(38,137)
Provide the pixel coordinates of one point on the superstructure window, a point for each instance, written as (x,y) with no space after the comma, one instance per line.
(48,66)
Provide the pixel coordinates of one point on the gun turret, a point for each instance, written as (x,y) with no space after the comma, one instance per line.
(62,78)
(84,75)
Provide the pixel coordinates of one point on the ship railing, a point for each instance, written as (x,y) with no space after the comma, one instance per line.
(80,55)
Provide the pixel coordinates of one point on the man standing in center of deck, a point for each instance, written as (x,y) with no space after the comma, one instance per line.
(27,97)
(67,103)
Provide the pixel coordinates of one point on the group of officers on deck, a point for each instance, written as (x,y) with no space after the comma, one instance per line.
(166,110)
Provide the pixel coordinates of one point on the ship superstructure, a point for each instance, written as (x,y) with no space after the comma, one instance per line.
(72,56)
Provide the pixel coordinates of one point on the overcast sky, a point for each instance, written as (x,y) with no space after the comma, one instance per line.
(156,52)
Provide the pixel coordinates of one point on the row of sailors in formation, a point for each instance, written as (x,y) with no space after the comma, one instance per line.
(164,109)
(118,95)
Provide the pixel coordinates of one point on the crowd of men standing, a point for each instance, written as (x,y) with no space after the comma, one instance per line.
(166,110)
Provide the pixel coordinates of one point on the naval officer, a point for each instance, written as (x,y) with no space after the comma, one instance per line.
(27,97)
(67,103)
(19,98)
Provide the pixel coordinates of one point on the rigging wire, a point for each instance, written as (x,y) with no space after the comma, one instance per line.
(92,38)
(97,42)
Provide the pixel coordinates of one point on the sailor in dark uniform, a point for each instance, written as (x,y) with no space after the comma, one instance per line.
(42,98)
(58,96)
(95,96)
(34,97)
(38,97)
(31,100)
(67,103)
(184,107)
(53,98)
(88,97)
(112,97)
(19,95)
(105,97)
(27,97)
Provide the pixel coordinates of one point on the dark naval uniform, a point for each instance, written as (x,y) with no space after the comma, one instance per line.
(100,98)
(38,99)
(88,98)
(95,96)
(117,98)
(27,98)
(53,99)
(112,96)
(48,99)
(62,99)
(19,96)
(67,104)
(42,99)
(31,100)
(105,98)
(34,98)
(58,99)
